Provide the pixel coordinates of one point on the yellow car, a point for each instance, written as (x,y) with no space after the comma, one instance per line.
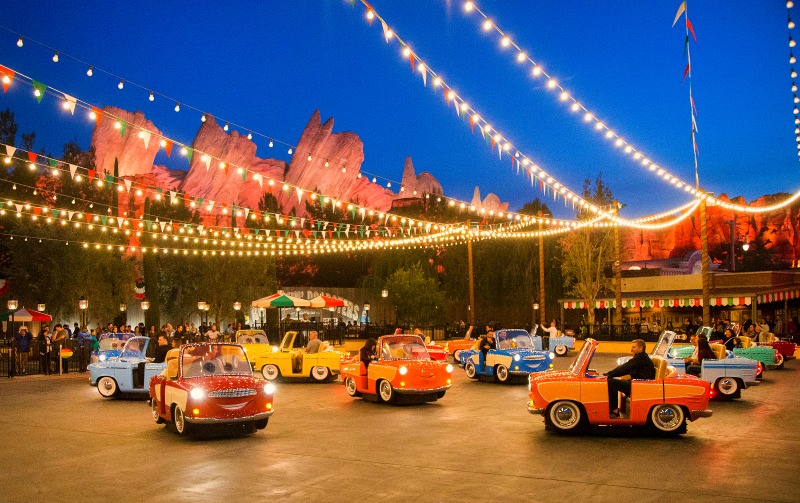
(254,342)
(287,361)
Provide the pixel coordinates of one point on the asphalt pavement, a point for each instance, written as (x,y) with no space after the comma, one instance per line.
(63,442)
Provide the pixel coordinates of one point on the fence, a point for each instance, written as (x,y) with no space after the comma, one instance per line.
(42,359)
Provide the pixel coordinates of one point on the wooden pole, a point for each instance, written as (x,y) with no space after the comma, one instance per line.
(704,263)
(471,282)
(617,272)
(542,299)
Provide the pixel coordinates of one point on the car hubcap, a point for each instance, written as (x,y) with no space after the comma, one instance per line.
(470,370)
(565,415)
(270,372)
(727,386)
(561,350)
(351,385)
(668,418)
(386,391)
(179,424)
(320,372)
(502,373)
(154,409)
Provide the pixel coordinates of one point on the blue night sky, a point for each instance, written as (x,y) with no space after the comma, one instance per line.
(269,65)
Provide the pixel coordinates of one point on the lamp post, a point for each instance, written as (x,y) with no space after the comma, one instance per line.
(236,307)
(12,306)
(123,308)
(40,307)
(366,308)
(384,295)
(535,312)
(203,306)
(145,307)
(83,304)
(732,223)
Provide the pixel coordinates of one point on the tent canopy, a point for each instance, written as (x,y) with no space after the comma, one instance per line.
(323,301)
(280,300)
(26,315)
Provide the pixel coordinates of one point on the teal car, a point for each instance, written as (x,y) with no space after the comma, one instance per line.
(766,356)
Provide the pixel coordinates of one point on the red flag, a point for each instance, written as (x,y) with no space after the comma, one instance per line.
(691,29)
(492,144)
(32,156)
(9,73)
(92,172)
(88,218)
(97,112)
(472,124)
(168,147)
(411,60)
(686,72)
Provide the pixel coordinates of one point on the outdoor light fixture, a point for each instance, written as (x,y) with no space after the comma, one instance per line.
(201,305)
(746,246)
(145,305)
(123,308)
(384,293)
(83,303)
(536,305)
(40,307)
(12,305)
(237,306)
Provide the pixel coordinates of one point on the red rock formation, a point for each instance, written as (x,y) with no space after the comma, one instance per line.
(417,185)
(492,202)
(134,157)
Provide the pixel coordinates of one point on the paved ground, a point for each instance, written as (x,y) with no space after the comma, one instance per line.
(63,442)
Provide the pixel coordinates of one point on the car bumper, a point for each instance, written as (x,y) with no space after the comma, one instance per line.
(418,391)
(696,414)
(533,410)
(217,420)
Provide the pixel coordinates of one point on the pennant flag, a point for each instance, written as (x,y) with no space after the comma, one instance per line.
(109,179)
(122,128)
(172,195)
(10,150)
(32,156)
(472,124)
(41,88)
(691,29)
(244,175)
(299,192)
(145,136)
(681,10)
(386,32)
(70,103)
(72,170)
(92,173)
(54,213)
(686,72)
(686,46)
(98,113)
(8,73)
(103,219)
(411,60)
(53,163)
(168,147)
(69,215)
(189,154)
(424,71)
(127,185)
(207,160)
(257,177)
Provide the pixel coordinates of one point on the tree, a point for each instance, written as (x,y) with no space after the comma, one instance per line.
(587,252)
(417,296)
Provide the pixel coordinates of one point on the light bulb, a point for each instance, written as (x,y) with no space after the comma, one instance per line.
(791,24)
(89,72)
(370,15)
(19,42)
(152,97)
(792,59)
(469,6)
(789,4)
(487,25)
(226,127)
(326,164)
(270,144)
(55,57)
(121,84)
(177,107)
(792,43)
(794,87)
(203,118)
(249,135)
(290,150)
(374,179)
(536,71)
(309,157)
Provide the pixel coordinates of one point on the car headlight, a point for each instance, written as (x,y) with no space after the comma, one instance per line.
(403,370)
(552,356)
(274,349)
(449,368)
(269,388)
(102,358)
(516,358)
(197,393)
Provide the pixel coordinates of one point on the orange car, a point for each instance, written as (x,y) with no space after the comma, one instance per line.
(576,397)
(454,348)
(403,367)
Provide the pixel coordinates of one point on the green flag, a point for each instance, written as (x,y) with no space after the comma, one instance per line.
(41,88)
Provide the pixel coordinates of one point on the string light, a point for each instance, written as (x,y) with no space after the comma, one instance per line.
(19,41)
(55,57)
(152,97)
(177,107)
(121,84)
(89,72)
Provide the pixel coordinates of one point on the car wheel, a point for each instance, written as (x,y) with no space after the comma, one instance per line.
(779,360)
(107,386)
(471,370)
(261,424)
(564,416)
(457,356)
(502,373)
(181,425)
(727,387)
(270,372)
(668,418)
(351,387)
(561,350)
(154,410)
(385,391)
(320,374)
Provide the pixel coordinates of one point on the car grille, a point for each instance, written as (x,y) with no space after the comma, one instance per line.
(232,393)
(534,358)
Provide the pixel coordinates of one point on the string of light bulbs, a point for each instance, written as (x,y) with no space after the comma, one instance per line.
(793,73)
(576,106)
(122,81)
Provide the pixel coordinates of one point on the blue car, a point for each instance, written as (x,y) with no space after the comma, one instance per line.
(130,372)
(110,345)
(560,345)
(516,354)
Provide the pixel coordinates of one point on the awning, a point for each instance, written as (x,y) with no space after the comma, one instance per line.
(645,303)
(793,293)
(26,315)
(323,301)
(280,300)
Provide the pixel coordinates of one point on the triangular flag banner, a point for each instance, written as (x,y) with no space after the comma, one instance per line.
(70,103)
(691,29)
(207,160)
(385,31)
(10,151)
(686,72)
(244,175)
(259,179)
(98,113)
(424,71)
(168,147)
(681,10)
(103,219)
(189,154)
(54,213)
(299,192)
(91,173)
(128,185)
(109,179)
(53,163)
(72,170)
(686,46)
(145,136)
(122,128)
(41,88)
(411,60)
(69,215)
(32,156)
(9,73)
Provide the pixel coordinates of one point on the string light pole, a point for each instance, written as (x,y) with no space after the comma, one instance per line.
(542,298)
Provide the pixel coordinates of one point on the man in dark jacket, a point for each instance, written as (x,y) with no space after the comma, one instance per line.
(162,349)
(638,367)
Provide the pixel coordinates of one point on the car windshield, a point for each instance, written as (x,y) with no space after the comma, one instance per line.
(508,339)
(135,348)
(664,344)
(580,360)
(404,348)
(203,360)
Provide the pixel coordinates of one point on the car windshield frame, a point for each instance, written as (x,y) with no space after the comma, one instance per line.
(413,343)
(511,338)
(198,366)
(664,344)
(140,352)
(583,359)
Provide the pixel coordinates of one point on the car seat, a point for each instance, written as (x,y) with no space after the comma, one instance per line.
(171,372)
(660,365)
(719,350)
(746,341)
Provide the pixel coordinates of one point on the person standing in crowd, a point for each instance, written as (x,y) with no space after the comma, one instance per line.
(161,350)
(43,344)
(23,339)
(213,334)
(84,347)
(59,341)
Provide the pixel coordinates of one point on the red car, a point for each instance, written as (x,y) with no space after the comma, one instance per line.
(210,384)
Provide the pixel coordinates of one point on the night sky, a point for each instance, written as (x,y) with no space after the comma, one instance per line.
(269,65)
